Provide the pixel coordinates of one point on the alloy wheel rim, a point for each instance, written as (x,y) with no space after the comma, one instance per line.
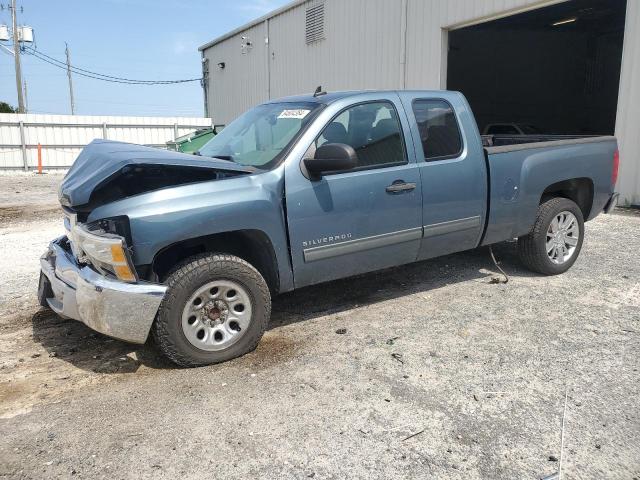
(563,236)
(217,315)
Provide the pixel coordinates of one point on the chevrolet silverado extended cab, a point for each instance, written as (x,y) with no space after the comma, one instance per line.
(190,248)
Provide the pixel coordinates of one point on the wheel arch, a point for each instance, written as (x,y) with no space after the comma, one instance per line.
(253,246)
(579,190)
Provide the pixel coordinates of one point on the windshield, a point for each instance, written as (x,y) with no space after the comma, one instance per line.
(257,137)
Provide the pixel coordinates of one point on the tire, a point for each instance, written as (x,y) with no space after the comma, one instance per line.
(197,301)
(533,248)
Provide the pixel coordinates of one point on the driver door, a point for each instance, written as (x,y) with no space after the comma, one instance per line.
(365,219)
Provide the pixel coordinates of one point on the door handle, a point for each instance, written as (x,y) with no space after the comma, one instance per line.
(400,186)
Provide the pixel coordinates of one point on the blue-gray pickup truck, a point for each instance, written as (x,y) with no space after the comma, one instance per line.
(189,249)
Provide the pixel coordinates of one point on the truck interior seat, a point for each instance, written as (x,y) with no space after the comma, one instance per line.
(335,133)
(384,128)
(441,140)
(385,145)
(360,127)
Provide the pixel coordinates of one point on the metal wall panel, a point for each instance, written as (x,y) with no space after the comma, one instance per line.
(361,49)
(628,115)
(390,44)
(243,81)
(63,136)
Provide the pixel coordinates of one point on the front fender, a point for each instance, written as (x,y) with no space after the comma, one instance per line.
(161,218)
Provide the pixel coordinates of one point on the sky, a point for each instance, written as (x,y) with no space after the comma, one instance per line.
(140,39)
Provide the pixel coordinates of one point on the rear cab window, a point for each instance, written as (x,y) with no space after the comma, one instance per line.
(438,127)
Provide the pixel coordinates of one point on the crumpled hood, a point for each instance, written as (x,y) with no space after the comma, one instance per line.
(102,159)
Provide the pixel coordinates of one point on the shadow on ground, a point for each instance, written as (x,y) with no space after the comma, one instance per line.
(77,344)
(369,289)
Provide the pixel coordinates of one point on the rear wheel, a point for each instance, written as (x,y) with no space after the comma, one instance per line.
(554,243)
(217,307)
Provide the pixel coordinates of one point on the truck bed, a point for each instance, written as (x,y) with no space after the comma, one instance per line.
(519,173)
(505,140)
(512,143)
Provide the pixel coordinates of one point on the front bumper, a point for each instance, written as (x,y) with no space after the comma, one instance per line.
(118,309)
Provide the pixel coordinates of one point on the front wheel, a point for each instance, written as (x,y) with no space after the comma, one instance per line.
(216,308)
(555,241)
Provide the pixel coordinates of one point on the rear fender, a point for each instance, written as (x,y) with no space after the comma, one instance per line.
(585,164)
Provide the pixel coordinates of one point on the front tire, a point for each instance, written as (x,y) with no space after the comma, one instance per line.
(554,243)
(216,308)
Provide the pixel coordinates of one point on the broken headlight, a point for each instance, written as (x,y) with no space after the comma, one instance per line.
(103,244)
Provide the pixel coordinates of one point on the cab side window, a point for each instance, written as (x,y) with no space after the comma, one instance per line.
(374,132)
(439,132)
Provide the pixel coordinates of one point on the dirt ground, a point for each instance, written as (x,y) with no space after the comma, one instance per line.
(440,374)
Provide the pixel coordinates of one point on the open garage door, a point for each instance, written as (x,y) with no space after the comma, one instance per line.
(554,70)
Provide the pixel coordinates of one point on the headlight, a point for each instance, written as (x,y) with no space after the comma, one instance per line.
(106,251)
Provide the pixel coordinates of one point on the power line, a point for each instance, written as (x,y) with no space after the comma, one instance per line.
(100,76)
(97,77)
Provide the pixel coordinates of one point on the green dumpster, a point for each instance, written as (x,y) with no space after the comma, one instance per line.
(191,142)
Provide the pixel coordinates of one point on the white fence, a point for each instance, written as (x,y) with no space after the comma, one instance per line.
(61,137)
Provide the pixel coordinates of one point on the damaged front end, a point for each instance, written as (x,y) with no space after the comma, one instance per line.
(104,303)
(89,274)
(106,171)
(103,245)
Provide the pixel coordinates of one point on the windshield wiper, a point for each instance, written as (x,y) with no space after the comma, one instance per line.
(219,157)
(230,158)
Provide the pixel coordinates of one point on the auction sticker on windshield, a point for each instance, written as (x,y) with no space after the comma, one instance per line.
(297,113)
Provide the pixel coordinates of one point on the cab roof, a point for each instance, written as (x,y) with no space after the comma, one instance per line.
(325,98)
(330,97)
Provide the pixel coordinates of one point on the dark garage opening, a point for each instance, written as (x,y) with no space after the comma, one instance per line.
(556,69)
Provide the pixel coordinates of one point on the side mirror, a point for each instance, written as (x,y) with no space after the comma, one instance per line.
(331,157)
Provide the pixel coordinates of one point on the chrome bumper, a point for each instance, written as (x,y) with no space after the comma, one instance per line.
(107,305)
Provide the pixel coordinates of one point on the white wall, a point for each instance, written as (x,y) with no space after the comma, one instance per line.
(628,116)
(63,136)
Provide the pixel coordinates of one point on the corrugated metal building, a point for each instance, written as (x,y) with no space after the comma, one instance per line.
(563,66)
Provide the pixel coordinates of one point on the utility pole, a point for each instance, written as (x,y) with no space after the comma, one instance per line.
(26,97)
(16,55)
(66,51)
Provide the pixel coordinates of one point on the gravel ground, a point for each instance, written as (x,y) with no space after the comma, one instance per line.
(25,197)
(440,374)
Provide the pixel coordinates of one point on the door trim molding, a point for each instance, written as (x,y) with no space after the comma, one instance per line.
(451,226)
(376,241)
(361,244)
